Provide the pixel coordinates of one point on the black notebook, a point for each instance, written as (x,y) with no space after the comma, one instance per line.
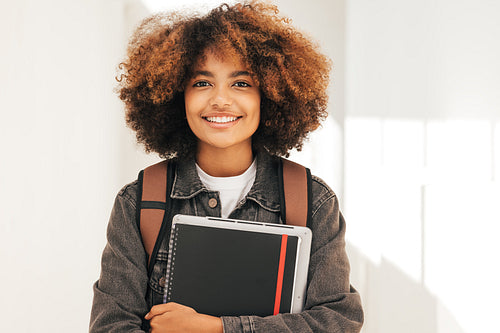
(227,267)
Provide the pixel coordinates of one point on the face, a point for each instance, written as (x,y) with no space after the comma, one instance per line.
(222,104)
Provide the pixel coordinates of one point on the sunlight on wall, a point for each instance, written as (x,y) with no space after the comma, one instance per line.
(384,176)
(461,236)
(459,150)
(430,208)
(422,160)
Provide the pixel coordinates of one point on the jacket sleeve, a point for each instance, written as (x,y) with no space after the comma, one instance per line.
(119,302)
(332,305)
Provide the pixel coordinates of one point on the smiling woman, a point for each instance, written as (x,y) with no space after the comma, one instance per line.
(222,97)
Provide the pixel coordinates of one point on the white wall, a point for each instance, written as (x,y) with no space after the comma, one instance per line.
(62,156)
(422,159)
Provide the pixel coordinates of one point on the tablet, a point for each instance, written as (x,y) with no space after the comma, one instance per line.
(227,267)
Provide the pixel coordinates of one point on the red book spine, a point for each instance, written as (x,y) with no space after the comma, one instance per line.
(281,270)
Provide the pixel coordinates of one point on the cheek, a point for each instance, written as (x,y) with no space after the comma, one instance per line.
(190,106)
(189,111)
(188,100)
(191,119)
(257,109)
(191,98)
(255,120)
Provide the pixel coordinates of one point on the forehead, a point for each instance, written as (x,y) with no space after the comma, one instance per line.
(220,58)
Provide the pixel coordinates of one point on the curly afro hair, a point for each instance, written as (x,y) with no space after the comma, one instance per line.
(291,73)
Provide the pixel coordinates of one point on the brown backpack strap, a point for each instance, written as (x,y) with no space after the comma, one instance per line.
(153,205)
(295,189)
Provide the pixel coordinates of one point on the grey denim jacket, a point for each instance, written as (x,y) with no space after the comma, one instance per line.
(122,297)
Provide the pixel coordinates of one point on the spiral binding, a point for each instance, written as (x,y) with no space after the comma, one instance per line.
(172,245)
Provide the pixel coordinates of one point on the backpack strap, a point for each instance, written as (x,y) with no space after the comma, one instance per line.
(153,216)
(295,193)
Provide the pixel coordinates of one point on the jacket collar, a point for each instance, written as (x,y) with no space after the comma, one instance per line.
(264,191)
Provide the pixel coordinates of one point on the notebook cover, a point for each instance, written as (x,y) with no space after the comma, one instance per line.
(230,272)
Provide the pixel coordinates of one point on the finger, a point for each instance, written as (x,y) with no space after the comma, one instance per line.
(161,309)
(156,310)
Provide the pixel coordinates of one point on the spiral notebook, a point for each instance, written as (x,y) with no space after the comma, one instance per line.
(233,267)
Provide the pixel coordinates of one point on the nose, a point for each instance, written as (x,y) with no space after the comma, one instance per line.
(221,98)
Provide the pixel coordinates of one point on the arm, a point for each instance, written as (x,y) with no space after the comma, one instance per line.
(332,305)
(119,302)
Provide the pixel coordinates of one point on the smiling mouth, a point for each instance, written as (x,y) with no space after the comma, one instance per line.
(221,120)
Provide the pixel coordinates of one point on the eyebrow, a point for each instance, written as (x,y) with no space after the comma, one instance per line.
(210,74)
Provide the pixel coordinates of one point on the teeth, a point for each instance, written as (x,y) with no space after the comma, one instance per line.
(221,119)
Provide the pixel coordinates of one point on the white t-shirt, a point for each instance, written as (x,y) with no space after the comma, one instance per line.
(231,189)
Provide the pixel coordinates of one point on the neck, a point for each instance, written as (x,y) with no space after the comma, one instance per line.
(224,162)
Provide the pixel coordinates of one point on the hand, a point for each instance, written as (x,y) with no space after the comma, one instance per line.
(172,317)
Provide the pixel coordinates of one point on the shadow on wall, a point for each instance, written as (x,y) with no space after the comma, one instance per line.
(396,303)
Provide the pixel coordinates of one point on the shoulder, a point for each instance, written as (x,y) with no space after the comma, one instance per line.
(124,211)
(321,194)
(129,193)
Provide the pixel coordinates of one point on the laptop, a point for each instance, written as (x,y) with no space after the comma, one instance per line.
(227,267)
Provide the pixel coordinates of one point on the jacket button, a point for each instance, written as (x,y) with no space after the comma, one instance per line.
(212,203)
(162,281)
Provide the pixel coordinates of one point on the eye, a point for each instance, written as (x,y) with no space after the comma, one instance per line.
(201,84)
(242,84)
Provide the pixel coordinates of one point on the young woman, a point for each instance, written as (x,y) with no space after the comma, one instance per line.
(223,95)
